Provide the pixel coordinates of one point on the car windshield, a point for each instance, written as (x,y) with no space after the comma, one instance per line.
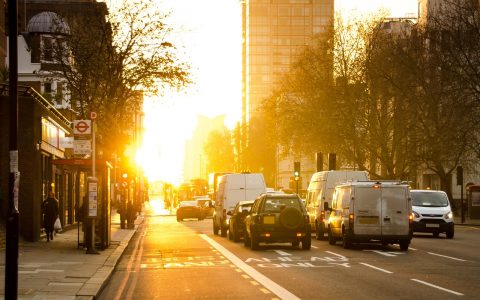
(187,203)
(278,204)
(429,199)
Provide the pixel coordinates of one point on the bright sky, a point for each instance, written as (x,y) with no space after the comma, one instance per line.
(209,34)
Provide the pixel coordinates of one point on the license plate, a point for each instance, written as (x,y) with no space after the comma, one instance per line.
(269,220)
(432,225)
(367,220)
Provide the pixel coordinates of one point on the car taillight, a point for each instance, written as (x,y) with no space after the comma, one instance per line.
(351,219)
(322,215)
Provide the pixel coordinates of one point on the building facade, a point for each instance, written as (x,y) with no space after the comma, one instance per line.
(275,32)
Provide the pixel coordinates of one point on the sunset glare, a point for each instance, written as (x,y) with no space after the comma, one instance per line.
(208,36)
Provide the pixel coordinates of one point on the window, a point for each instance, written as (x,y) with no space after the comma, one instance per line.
(47,49)
(47,87)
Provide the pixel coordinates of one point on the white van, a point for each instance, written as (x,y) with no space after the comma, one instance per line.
(233,188)
(432,213)
(319,196)
(371,211)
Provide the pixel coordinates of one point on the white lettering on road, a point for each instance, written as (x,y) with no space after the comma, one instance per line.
(437,287)
(265,281)
(450,257)
(377,268)
(283,253)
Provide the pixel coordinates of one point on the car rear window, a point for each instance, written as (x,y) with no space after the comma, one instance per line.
(187,203)
(278,204)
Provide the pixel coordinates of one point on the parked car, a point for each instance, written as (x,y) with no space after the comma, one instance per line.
(190,210)
(236,226)
(277,218)
(432,213)
(371,212)
(206,203)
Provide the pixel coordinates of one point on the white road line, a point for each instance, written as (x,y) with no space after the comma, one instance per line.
(283,253)
(377,268)
(454,258)
(438,287)
(333,253)
(265,281)
(314,247)
(382,253)
(410,248)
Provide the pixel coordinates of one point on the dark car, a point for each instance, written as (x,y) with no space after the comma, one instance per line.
(190,210)
(278,218)
(206,203)
(236,226)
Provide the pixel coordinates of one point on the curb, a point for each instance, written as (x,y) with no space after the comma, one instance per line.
(92,288)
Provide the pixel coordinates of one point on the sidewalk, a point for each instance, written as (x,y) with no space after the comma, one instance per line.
(60,270)
(468,221)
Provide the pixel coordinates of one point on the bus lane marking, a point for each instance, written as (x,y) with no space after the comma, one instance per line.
(296,261)
(275,288)
(283,253)
(438,287)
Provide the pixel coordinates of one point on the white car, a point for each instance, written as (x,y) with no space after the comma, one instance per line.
(432,212)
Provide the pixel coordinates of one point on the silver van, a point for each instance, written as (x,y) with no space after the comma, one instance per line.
(320,193)
(371,211)
(233,188)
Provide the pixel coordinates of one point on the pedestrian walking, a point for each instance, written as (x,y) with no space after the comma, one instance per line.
(50,214)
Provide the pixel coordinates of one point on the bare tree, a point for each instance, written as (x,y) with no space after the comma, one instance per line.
(115,62)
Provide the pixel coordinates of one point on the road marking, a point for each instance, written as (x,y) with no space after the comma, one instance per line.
(265,281)
(283,253)
(437,287)
(410,248)
(339,255)
(314,247)
(254,282)
(454,258)
(377,268)
(383,253)
(265,291)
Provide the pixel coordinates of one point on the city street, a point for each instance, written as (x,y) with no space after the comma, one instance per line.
(167,259)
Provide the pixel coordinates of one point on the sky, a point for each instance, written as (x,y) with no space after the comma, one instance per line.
(208,35)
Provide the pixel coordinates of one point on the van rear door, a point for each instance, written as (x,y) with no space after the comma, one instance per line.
(367,210)
(395,210)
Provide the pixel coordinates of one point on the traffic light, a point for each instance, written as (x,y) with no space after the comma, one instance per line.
(296,170)
(459,175)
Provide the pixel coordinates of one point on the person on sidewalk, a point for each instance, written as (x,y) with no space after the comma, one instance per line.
(50,214)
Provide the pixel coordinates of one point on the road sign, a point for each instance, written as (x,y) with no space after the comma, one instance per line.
(82,127)
(82,147)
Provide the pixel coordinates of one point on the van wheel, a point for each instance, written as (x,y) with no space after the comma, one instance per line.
(223,231)
(246,240)
(254,244)
(404,245)
(450,233)
(331,238)
(235,236)
(307,243)
(318,232)
(215,228)
(347,243)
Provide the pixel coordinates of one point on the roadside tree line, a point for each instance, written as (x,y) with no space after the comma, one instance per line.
(391,98)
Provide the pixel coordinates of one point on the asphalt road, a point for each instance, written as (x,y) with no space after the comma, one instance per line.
(177,260)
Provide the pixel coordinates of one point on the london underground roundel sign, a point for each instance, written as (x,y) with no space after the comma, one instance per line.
(82,127)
